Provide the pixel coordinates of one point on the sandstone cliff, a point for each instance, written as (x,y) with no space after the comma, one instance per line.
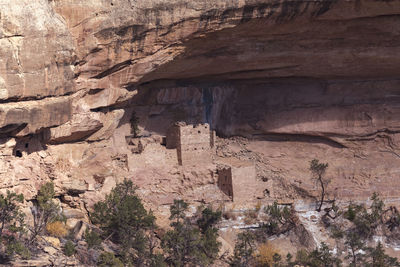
(296,80)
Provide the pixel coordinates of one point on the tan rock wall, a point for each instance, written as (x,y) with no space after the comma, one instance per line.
(301,79)
(36,115)
(245,186)
(36,51)
(194,145)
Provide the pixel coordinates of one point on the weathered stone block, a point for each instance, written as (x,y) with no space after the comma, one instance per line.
(239,181)
(193,143)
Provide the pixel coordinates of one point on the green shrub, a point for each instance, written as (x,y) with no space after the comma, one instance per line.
(362,224)
(323,257)
(355,253)
(134,124)
(365,222)
(69,248)
(92,239)
(301,256)
(245,247)
(108,259)
(280,220)
(208,219)
(12,226)
(318,257)
(189,244)
(46,211)
(17,247)
(378,258)
(124,220)
(10,214)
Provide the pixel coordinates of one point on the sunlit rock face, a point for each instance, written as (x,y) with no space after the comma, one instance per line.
(100,52)
(298,79)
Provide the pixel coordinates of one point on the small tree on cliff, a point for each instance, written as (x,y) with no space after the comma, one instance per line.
(12,227)
(189,244)
(245,248)
(134,124)
(318,170)
(280,220)
(10,214)
(45,211)
(378,257)
(124,220)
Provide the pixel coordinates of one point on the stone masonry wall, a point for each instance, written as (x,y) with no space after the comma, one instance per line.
(225,181)
(173,137)
(244,183)
(194,144)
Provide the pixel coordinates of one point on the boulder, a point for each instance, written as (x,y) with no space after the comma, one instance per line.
(54,241)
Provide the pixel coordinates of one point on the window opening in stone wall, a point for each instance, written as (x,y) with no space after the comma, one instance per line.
(18,153)
(266,192)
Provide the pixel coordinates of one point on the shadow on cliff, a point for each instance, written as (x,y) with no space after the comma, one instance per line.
(271,109)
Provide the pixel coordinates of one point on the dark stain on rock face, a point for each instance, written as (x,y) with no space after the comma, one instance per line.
(286,10)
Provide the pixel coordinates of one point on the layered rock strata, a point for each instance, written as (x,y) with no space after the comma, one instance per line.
(298,79)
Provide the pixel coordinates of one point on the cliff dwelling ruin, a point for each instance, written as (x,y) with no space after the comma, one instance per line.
(238,180)
(219,103)
(193,143)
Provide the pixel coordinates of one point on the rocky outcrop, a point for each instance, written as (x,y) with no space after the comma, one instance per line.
(107,49)
(79,80)
(37,52)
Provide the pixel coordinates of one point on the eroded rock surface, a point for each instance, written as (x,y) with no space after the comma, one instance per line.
(88,90)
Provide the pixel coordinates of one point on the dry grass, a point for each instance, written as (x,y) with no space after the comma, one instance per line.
(258,206)
(265,255)
(250,216)
(57,229)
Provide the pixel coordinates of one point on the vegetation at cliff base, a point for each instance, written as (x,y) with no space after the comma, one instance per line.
(17,238)
(191,243)
(280,220)
(69,248)
(45,211)
(12,227)
(124,221)
(124,233)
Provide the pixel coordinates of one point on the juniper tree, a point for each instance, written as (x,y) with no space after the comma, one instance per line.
(318,170)
(10,214)
(378,258)
(124,220)
(210,246)
(244,250)
(319,257)
(365,222)
(45,211)
(188,243)
(355,246)
(280,219)
(12,226)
